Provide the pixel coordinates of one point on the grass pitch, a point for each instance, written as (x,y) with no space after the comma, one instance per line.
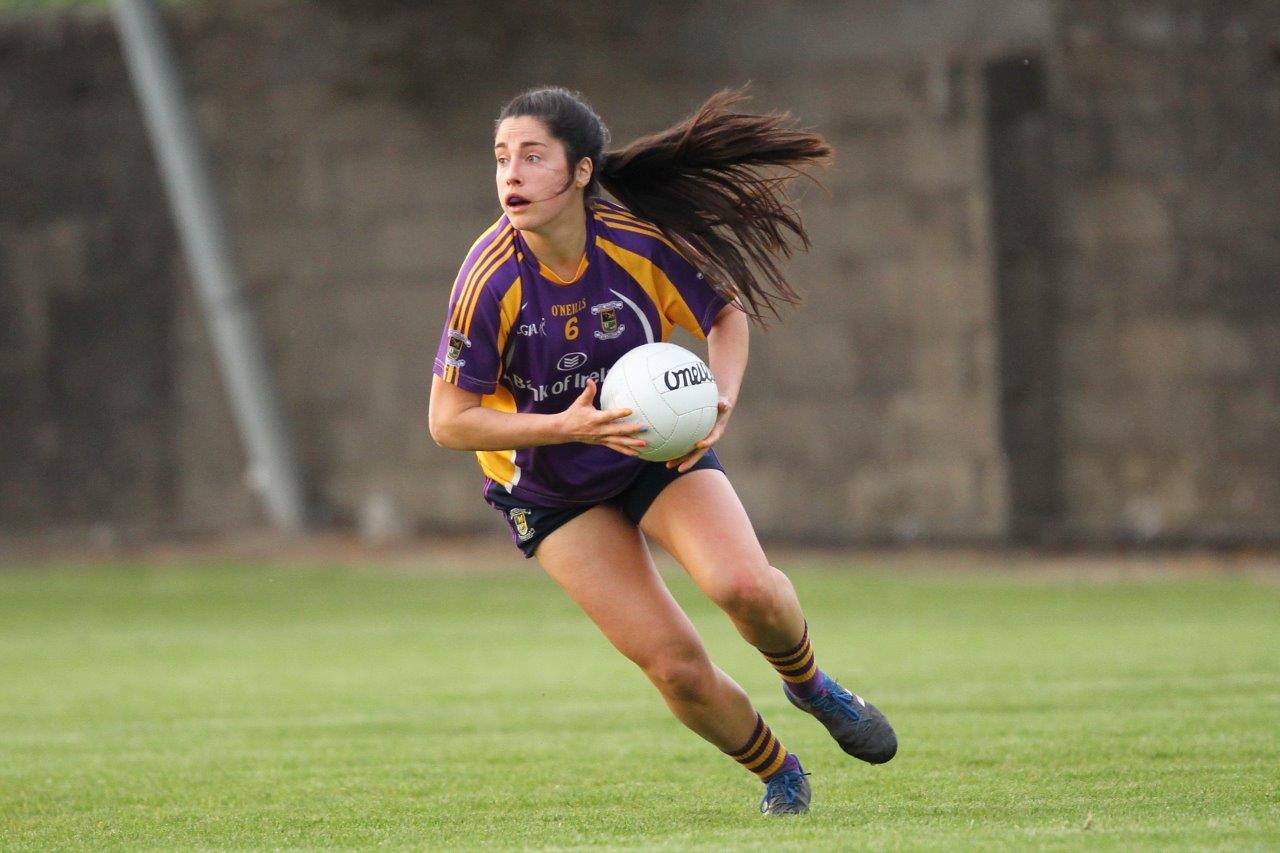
(256,706)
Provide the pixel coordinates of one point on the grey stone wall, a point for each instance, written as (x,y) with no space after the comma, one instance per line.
(1167,146)
(87,391)
(877,395)
(880,391)
(350,141)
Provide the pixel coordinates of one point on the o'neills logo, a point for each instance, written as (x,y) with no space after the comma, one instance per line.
(571,361)
(687,377)
(568,309)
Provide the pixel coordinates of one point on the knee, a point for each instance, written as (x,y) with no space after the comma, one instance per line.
(682,678)
(748,596)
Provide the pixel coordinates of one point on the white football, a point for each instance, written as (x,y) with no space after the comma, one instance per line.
(668,388)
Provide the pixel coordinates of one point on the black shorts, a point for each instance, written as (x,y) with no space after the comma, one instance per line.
(530,523)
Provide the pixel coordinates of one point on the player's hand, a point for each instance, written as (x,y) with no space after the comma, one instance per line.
(723,409)
(583,422)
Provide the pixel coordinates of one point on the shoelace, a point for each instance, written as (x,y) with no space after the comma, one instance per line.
(831,700)
(785,786)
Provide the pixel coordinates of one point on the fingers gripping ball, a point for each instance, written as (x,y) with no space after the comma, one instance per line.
(668,388)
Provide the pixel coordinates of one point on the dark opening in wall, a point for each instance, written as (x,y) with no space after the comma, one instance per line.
(1027,307)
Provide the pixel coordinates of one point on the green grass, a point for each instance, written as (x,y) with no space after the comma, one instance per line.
(251,706)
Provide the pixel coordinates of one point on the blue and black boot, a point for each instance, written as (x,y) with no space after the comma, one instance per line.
(856,724)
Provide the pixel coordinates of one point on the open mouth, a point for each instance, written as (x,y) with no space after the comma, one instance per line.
(517,202)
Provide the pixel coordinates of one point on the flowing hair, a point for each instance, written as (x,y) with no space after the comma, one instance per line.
(715,184)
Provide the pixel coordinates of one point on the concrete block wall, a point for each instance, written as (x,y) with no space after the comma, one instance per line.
(363,194)
(351,142)
(86,387)
(895,341)
(1168,152)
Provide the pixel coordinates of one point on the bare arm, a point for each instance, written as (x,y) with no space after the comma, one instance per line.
(458,421)
(727,346)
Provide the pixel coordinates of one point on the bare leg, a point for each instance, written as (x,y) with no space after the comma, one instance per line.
(602,562)
(699,520)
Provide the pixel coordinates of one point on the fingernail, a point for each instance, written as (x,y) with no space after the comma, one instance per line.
(643,444)
(644,429)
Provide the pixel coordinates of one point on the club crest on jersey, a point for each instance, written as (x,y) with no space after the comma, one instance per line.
(609,325)
(520,521)
(457,342)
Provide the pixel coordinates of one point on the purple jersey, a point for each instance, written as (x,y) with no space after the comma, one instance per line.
(528,341)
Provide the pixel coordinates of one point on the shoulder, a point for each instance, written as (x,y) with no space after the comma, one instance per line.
(623,228)
(638,244)
(495,240)
(490,261)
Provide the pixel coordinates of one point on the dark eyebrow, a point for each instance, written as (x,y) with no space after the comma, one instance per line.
(521,145)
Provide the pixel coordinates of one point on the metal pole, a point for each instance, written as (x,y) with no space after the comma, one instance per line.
(183,165)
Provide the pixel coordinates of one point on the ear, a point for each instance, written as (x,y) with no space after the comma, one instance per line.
(582,173)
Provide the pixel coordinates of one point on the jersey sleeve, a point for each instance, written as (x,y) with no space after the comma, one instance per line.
(703,302)
(468,354)
(470,350)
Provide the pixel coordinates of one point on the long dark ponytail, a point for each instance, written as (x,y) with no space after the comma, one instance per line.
(715,184)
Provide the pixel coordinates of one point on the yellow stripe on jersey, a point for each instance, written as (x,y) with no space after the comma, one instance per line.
(671,305)
(466,283)
(499,465)
(620,227)
(639,226)
(509,309)
(482,275)
(469,283)
(602,206)
(464,289)
(493,258)
(624,216)
(480,285)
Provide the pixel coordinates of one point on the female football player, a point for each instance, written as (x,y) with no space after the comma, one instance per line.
(546,301)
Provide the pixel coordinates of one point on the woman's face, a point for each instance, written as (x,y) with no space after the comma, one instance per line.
(532,174)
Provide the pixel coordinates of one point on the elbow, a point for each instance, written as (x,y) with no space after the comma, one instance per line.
(440,433)
(444,440)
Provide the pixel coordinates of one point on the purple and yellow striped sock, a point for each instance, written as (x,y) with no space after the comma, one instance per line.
(763,753)
(797,667)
